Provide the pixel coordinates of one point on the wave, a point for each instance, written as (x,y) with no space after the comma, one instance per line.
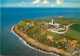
(25,42)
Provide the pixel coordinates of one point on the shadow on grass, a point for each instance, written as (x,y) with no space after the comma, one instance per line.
(75,27)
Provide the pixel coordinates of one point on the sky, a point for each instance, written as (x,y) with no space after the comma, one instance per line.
(40,3)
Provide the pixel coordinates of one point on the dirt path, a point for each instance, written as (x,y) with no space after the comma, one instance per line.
(61,32)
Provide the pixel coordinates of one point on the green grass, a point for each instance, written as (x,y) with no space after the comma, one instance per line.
(72,33)
(75,27)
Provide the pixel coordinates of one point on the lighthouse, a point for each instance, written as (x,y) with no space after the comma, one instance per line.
(52,21)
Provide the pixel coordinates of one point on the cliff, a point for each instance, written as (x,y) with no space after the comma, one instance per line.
(38,44)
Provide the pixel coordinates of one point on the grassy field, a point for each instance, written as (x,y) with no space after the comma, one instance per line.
(73,32)
(39,30)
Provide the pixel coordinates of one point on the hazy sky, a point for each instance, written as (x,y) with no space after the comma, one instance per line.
(40,3)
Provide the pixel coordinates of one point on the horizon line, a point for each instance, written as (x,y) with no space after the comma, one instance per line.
(39,7)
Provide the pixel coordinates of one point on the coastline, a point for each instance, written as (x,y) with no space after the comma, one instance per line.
(38,45)
(25,42)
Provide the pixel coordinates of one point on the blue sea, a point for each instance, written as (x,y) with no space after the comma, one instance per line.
(11,45)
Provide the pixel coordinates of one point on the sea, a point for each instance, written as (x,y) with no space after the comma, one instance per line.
(10,43)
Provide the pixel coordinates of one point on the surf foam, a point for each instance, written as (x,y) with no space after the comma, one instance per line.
(25,42)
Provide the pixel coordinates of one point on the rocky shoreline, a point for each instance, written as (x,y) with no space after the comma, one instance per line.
(39,45)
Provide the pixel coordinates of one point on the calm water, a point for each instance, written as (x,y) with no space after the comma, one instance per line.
(11,45)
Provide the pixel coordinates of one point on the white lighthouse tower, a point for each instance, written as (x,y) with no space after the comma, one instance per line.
(52,21)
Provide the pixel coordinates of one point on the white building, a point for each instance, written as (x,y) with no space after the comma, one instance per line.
(55,24)
(52,23)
